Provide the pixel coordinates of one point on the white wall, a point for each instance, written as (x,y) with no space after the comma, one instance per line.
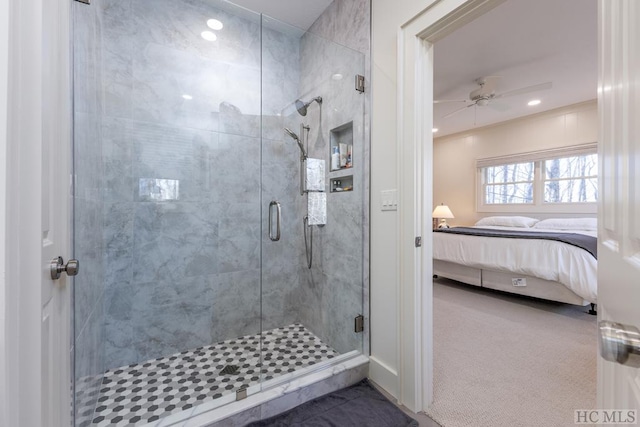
(387,18)
(454,156)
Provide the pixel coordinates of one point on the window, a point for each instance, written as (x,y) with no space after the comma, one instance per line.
(571,179)
(509,183)
(560,180)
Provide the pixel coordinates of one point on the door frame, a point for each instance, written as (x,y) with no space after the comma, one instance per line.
(22,366)
(4,292)
(415,177)
(22,193)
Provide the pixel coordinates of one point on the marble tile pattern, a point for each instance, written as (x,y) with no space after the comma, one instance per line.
(289,396)
(175,274)
(348,23)
(337,285)
(352,28)
(88,225)
(335,382)
(186,273)
(148,391)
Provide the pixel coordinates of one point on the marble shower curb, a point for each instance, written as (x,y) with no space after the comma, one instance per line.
(275,400)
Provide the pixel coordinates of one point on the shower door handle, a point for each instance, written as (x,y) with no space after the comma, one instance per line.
(277,235)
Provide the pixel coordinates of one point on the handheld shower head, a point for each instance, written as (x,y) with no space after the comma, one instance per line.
(302,106)
(293,135)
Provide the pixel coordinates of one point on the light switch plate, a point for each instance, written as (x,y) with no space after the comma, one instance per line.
(389,200)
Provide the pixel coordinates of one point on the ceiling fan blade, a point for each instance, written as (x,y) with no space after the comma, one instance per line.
(457,111)
(440,101)
(523,90)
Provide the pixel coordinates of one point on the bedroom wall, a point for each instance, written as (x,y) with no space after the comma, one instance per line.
(454,156)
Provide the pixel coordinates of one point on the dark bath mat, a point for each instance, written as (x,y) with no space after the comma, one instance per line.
(357,406)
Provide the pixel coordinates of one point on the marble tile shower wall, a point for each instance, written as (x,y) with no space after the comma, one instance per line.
(337,286)
(280,178)
(185,271)
(88,317)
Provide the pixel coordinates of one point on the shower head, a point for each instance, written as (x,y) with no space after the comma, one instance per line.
(302,106)
(293,135)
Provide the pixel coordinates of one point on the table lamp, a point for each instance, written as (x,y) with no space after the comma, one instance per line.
(443,213)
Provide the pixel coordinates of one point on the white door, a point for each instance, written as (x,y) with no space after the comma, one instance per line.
(37,308)
(56,201)
(619,211)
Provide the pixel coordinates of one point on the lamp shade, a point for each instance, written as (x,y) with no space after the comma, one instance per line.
(442,211)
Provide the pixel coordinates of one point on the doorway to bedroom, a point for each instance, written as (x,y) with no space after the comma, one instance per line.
(515,147)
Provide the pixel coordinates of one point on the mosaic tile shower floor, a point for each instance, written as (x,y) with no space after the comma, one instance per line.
(148,391)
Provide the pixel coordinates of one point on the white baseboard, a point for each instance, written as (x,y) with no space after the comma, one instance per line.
(384,376)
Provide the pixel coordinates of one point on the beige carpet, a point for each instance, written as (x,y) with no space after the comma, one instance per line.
(502,360)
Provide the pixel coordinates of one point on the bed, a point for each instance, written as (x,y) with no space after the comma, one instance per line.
(548,269)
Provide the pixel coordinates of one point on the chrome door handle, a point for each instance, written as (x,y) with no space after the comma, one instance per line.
(277,236)
(619,343)
(57,266)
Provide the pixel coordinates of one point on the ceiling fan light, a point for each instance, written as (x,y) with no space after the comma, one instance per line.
(482,102)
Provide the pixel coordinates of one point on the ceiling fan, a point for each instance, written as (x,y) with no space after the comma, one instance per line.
(486,94)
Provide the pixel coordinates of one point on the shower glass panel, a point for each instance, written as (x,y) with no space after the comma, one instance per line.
(311,284)
(192,289)
(167,206)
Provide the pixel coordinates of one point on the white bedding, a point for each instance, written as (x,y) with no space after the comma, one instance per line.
(546,259)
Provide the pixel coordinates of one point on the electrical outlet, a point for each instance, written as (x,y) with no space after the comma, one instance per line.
(519,281)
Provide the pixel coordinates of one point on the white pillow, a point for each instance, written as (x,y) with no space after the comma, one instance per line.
(590,224)
(507,221)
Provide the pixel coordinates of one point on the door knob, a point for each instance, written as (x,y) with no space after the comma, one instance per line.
(619,343)
(57,266)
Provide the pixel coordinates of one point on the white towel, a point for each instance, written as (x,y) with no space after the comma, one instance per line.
(317,208)
(315,175)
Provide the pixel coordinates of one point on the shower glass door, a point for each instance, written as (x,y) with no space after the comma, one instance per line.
(312,211)
(208,271)
(167,155)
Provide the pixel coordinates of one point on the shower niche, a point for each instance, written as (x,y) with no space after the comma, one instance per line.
(342,183)
(341,144)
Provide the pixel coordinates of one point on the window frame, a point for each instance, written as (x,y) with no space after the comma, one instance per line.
(539,205)
(546,180)
(486,184)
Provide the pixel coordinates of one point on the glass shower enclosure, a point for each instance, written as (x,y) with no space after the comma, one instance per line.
(222,254)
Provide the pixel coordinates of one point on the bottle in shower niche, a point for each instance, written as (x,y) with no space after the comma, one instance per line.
(335,158)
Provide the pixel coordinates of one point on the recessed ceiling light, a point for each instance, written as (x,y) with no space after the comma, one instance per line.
(214,24)
(533,102)
(208,35)
(434,130)
(337,76)
(187,97)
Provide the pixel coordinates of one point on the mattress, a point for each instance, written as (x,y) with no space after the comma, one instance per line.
(546,259)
